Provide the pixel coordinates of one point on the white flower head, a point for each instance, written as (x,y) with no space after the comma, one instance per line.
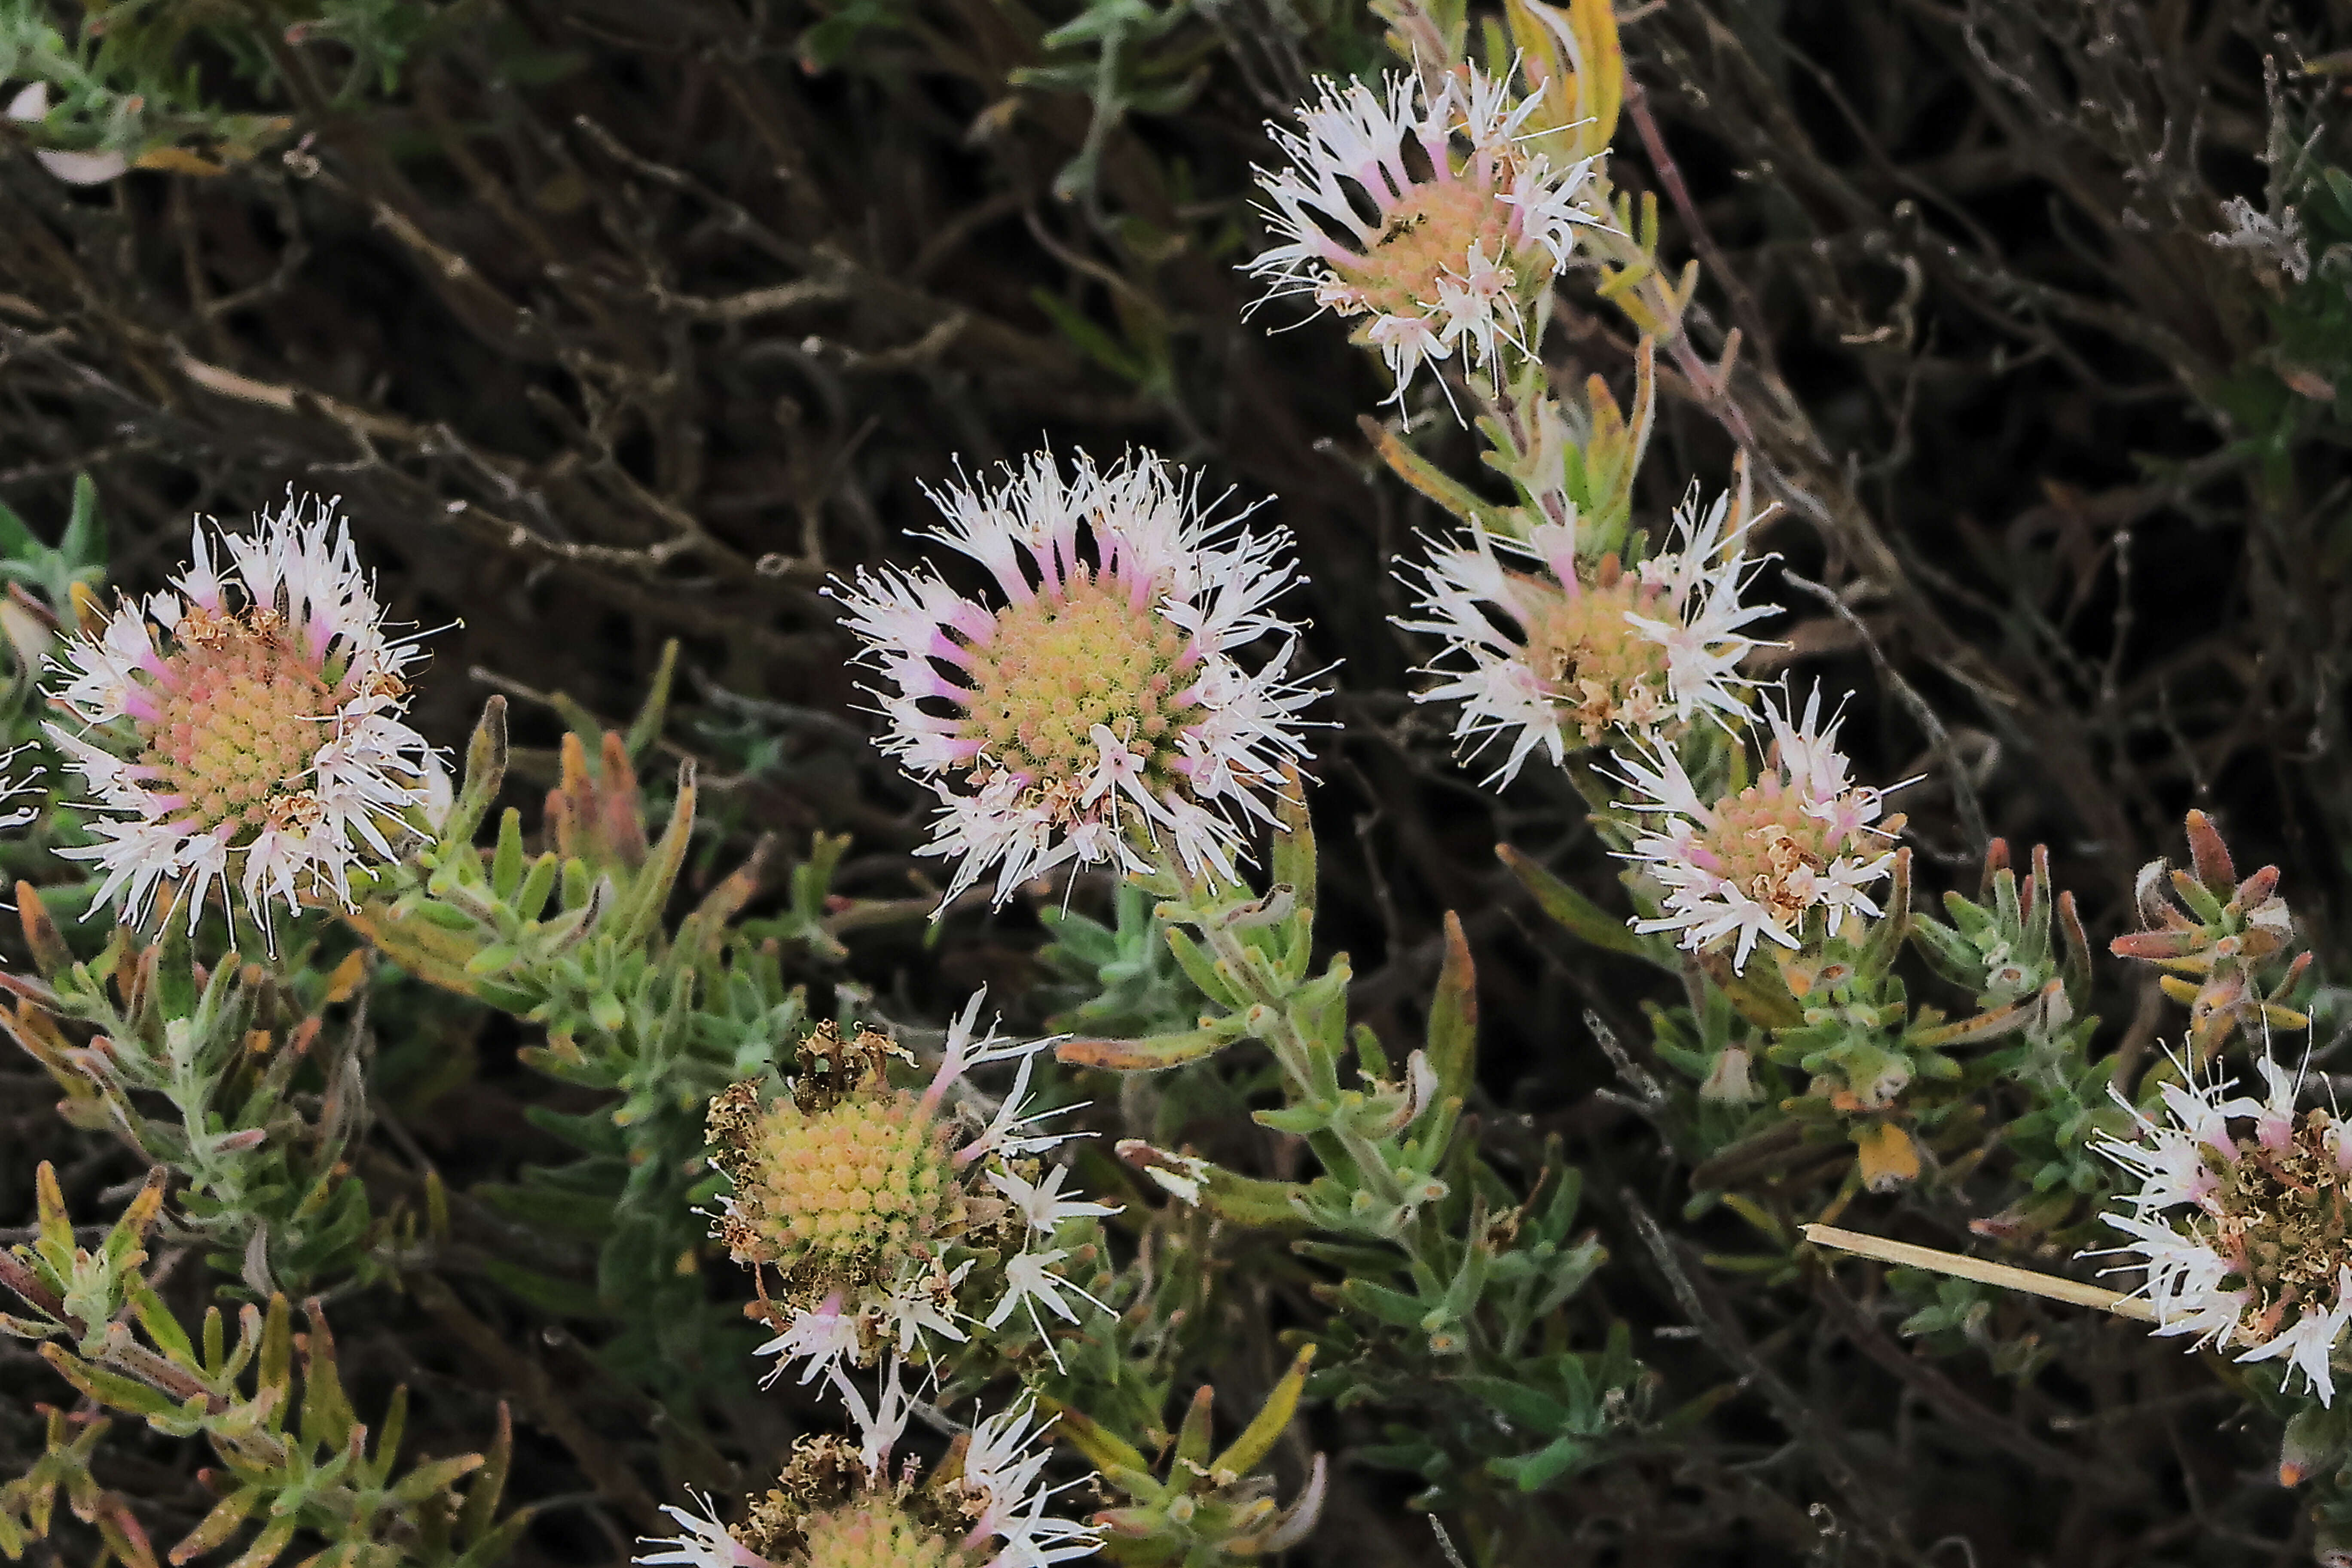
(1098,712)
(1418,213)
(841,1502)
(2240,1221)
(1803,843)
(244,732)
(1548,653)
(892,1216)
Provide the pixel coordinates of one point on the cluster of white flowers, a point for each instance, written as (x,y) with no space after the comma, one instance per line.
(872,1203)
(1099,710)
(1804,840)
(839,1504)
(1466,228)
(245,731)
(2246,1236)
(1556,655)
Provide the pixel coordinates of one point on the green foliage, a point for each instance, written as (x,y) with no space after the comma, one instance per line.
(1120,979)
(264,1097)
(576,940)
(1127,57)
(46,587)
(1821,1068)
(1449,1290)
(128,83)
(295,1457)
(53,571)
(1293,1173)
(1207,1506)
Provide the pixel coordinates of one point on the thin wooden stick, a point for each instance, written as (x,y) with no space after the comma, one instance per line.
(2137,1308)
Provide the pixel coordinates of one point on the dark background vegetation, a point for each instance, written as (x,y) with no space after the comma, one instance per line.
(613,322)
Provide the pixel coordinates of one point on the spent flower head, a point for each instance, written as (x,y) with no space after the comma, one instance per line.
(840,1503)
(1416,210)
(2215,935)
(244,730)
(1799,846)
(888,1219)
(1098,712)
(1555,653)
(2243,1220)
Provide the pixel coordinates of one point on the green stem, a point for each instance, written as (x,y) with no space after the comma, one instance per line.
(1343,1150)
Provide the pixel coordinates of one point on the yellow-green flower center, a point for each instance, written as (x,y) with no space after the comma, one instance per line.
(1763,843)
(1054,669)
(241,716)
(868,1177)
(1429,235)
(1600,671)
(874,1532)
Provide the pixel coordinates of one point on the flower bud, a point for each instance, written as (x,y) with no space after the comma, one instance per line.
(1728,1081)
(2314,1440)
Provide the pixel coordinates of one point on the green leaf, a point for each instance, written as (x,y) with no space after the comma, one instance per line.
(1392,1307)
(1581,916)
(1257,1440)
(1533,1472)
(1150,1054)
(486,770)
(218,1525)
(1092,340)
(647,727)
(1246,1200)
(651,891)
(108,1388)
(162,1326)
(270,1544)
(430,1480)
(1527,1407)
(1453,1016)
(1296,1120)
(18,542)
(1294,844)
(83,544)
(559,1298)
(482,1496)
(1199,968)
(507,865)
